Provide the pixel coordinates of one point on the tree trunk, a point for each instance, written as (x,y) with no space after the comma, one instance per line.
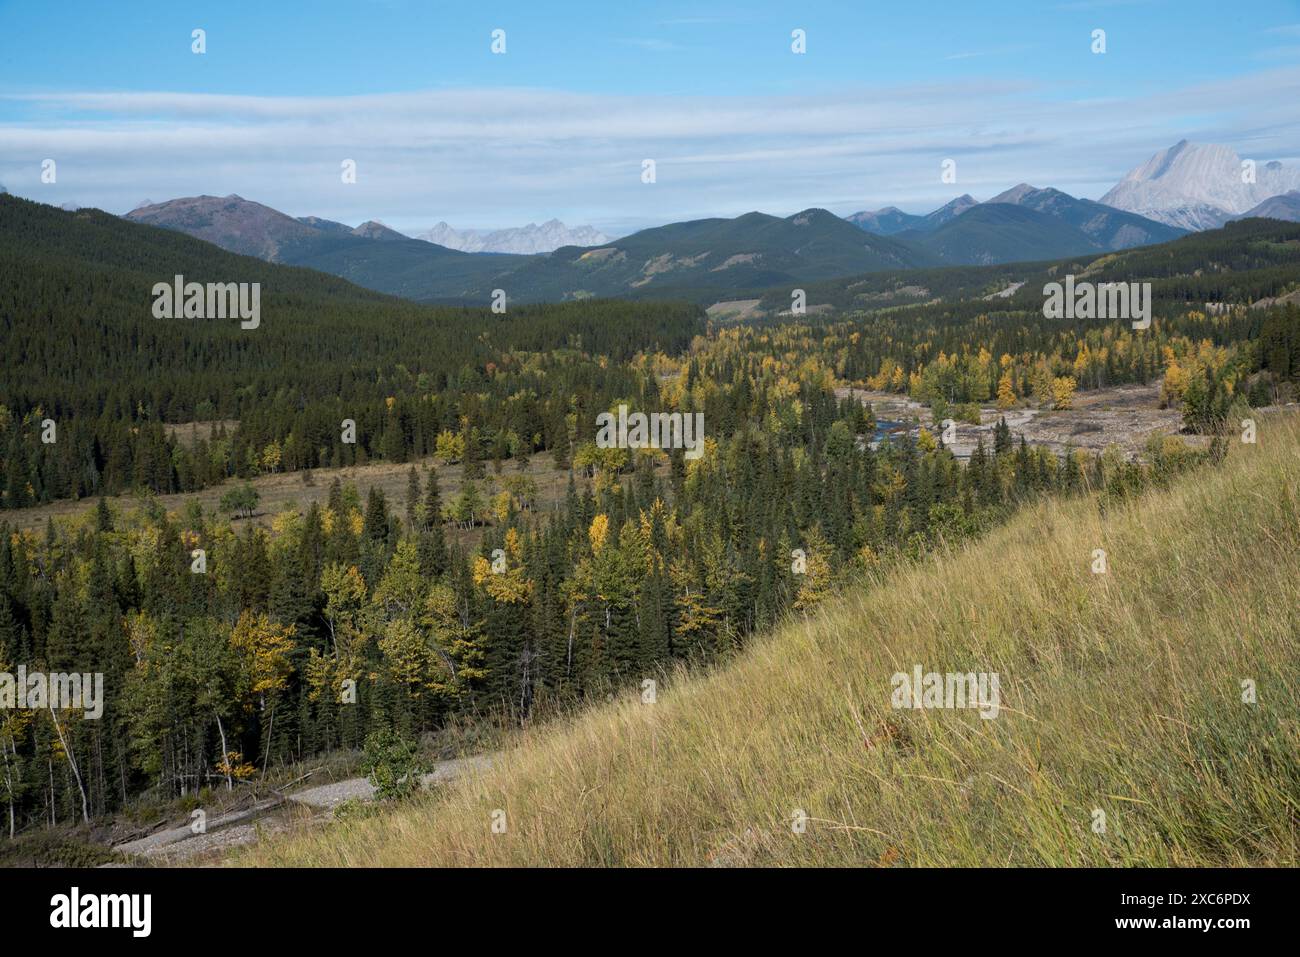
(72,763)
(9,788)
(573,621)
(225,755)
(270,731)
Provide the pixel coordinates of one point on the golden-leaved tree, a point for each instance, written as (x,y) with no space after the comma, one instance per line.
(262,650)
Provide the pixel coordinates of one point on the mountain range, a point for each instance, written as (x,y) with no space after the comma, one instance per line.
(1178,190)
(1199,186)
(524,240)
(698,259)
(370,255)
(896,274)
(702,258)
(1024,222)
(1286,206)
(707,258)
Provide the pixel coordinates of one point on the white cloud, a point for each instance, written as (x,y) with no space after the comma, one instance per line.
(501,157)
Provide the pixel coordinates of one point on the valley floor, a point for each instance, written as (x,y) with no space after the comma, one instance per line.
(1124,416)
(284,489)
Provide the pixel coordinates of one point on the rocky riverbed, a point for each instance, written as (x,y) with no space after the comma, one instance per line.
(1123,416)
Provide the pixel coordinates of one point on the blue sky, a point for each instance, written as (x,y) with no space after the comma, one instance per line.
(558,126)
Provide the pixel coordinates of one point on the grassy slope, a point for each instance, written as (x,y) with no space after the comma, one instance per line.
(1121,692)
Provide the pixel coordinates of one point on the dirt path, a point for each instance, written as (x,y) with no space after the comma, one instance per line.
(248,825)
(156,842)
(359,789)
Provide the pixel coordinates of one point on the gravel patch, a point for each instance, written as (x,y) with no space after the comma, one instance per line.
(328,796)
(247,825)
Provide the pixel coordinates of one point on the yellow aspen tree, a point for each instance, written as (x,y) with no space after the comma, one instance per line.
(262,648)
(1006,391)
(598,532)
(1063,392)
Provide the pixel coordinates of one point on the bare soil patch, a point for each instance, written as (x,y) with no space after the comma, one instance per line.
(188,434)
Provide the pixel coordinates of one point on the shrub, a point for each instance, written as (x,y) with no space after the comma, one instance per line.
(392,764)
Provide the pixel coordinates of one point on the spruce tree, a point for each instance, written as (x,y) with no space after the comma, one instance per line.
(433,542)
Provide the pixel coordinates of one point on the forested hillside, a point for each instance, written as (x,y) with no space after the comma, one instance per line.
(87,353)
(712,258)
(362,614)
(701,260)
(83,348)
(1002,232)
(216,672)
(1240,263)
(370,255)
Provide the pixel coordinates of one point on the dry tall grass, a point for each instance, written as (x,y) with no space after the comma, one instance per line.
(1121,693)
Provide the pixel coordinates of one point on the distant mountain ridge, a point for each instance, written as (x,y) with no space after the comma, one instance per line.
(1023,222)
(371,229)
(523,240)
(1285,207)
(1111,228)
(1049,223)
(949,211)
(371,255)
(714,256)
(1188,185)
(691,259)
(327,225)
(1198,186)
(991,233)
(233,223)
(885,221)
(253,229)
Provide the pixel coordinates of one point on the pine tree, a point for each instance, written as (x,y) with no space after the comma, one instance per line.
(433,542)
(103,517)
(412,499)
(1001,437)
(375,528)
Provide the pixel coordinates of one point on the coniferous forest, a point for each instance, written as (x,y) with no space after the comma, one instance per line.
(229,648)
(534,438)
